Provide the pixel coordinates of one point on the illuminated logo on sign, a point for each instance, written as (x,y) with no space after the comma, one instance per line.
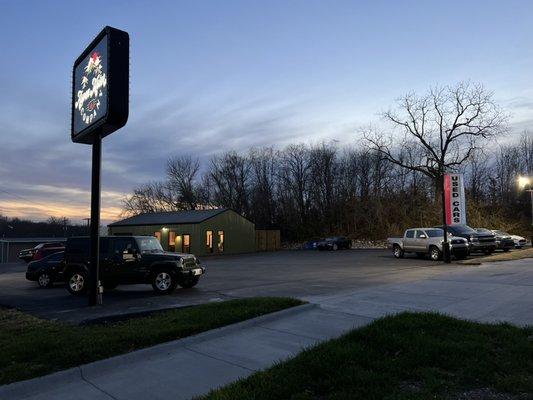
(91,87)
(93,81)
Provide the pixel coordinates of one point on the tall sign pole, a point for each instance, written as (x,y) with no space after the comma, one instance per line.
(100,106)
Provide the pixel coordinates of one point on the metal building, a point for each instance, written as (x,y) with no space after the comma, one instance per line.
(201,232)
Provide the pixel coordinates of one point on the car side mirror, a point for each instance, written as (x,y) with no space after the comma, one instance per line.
(422,236)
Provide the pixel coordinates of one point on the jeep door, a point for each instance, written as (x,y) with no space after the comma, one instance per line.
(124,262)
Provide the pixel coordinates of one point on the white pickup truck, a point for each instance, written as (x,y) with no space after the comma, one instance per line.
(423,241)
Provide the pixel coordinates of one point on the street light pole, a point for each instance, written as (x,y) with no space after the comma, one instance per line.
(531,193)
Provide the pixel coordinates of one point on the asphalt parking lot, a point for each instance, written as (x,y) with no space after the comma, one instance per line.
(301,274)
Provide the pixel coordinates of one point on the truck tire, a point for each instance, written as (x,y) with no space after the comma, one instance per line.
(77,282)
(434,253)
(190,282)
(397,251)
(335,247)
(164,281)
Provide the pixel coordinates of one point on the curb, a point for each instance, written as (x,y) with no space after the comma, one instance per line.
(22,389)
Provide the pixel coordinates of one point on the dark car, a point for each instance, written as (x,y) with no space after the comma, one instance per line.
(130,260)
(504,241)
(312,244)
(47,270)
(477,241)
(334,243)
(40,251)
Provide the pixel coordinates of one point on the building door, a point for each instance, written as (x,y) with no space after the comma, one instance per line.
(186,243)
(172,241)
(220,244)
(209,242)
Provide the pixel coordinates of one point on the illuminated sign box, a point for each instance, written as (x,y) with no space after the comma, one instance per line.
(100,87)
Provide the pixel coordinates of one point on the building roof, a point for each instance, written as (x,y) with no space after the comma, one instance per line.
(170,218)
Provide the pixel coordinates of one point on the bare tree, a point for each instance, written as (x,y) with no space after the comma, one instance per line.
(182,173)
(444,127)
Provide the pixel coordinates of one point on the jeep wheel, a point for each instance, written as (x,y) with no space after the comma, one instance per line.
(335,247)
(188,283)
(397,251)
(435,254)
(77,283)
(44,280)
(164,282)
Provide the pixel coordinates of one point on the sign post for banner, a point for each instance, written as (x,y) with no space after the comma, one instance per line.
(100,103)
(446,255)
(454,210)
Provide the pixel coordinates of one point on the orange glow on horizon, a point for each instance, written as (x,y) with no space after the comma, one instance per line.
(45,209)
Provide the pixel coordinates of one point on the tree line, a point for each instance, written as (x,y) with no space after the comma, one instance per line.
(384,183)
(52,227)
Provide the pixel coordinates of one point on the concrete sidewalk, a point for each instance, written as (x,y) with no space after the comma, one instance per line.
(192,366)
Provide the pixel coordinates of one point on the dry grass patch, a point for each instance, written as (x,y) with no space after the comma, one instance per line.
(509,256)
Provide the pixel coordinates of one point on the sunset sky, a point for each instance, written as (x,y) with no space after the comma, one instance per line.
(213,75)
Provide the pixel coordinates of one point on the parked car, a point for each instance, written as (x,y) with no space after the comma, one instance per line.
(424,241)
(477,241)
(503,240)
(47,270)
(130,260)
(312,244)
(334,243)
(40,251)
(519,241)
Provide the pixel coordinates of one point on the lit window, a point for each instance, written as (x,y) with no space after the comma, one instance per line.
(220,241)
(186,243)
(209,241)
(171,240)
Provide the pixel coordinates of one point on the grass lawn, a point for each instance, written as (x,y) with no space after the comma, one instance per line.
(507,256)
(31,347)
(408,356)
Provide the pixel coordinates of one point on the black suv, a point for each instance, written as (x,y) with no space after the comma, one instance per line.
(130,260)
(477,241)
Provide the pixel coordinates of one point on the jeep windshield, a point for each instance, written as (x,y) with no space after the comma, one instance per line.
(149,245)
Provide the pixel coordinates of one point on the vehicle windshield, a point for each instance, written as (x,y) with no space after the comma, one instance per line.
(483,230)
(434,232)
(464,229)
(149,244)
(501,233)
(331,239)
